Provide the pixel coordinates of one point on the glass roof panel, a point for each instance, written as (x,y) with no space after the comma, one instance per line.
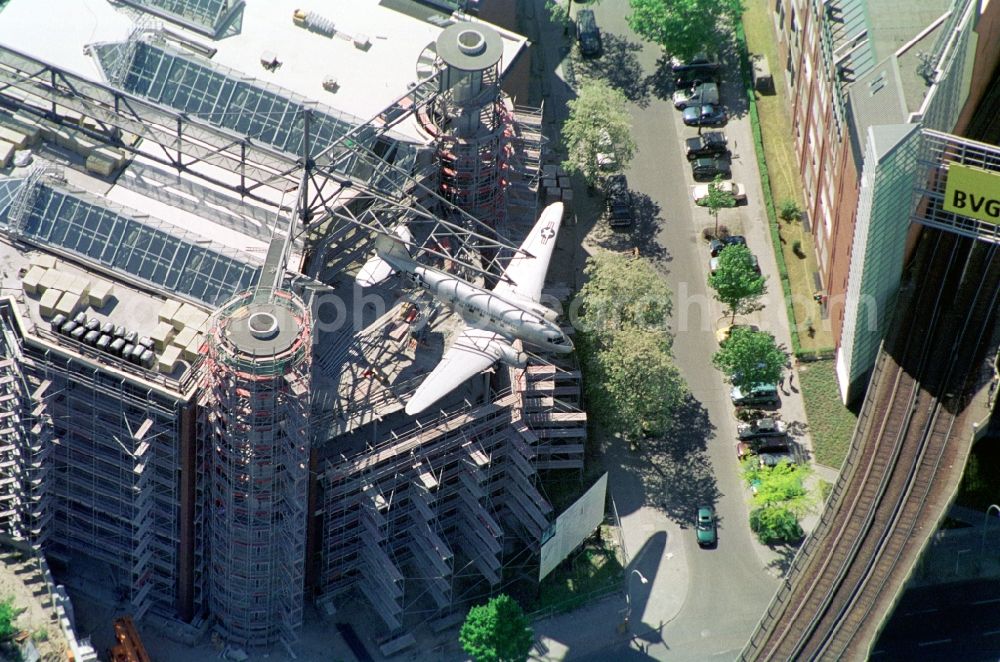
(226,98)
(207,14)
(157,254)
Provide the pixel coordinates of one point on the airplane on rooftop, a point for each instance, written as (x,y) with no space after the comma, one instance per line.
(494,319)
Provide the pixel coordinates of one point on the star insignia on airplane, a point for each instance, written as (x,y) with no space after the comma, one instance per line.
(547,233)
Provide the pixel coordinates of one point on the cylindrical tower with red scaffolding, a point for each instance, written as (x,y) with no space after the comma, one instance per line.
(470,121)
(257,375)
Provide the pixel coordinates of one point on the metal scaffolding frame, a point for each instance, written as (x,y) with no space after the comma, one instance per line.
(110,490)
(258,412)
(432,506)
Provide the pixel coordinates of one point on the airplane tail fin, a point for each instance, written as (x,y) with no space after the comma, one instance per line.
(391,254)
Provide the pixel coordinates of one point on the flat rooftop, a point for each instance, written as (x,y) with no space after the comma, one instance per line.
(374,53)
(134,309)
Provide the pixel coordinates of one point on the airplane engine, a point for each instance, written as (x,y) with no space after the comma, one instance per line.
(547,313)
(512,357)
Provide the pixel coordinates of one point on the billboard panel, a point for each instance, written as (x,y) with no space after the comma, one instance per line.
(973,192)
(573,526)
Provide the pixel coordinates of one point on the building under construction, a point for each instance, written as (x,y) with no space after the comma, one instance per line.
(200,410)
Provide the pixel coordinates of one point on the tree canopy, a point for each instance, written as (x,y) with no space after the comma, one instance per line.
(718,198)
(737,282)
(782,484)
(750,357)
(630,378)
(683,28)
(598,124)
(775,524)
(621,292)
(498,631)
(8,614)
(640,389)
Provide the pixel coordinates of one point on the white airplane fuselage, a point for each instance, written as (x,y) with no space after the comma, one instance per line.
(483,309)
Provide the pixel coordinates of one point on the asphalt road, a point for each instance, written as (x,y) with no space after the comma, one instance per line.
(728,587)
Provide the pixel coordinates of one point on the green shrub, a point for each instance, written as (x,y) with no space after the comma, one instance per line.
(797,248)
(775,524)
(790,211)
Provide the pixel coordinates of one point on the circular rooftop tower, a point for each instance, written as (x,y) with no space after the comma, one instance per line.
(258,378)
(470,119)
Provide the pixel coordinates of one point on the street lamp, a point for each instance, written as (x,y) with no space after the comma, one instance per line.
(628,601)
(986,521)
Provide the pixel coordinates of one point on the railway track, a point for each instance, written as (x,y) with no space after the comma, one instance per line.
(846,575)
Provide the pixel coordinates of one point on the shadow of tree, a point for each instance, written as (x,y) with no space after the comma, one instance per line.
(661,82)
(642,233)
(786,554)
(676,470)
(618,66)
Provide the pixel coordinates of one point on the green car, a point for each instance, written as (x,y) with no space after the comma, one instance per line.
(707,535)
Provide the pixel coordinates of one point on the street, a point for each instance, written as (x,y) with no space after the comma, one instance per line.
(698,604)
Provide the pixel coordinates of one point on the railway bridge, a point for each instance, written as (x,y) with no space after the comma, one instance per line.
(930,396)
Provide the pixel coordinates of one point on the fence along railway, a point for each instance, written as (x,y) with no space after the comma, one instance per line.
(906,460)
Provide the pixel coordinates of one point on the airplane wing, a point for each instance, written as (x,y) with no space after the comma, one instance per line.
(472,352)
(525,275)
(378,268)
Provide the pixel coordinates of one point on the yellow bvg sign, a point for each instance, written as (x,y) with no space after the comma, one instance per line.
(973,192)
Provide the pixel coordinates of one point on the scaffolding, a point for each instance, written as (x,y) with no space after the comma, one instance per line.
(25,448)
(257,412)
(100,460)
(427,512)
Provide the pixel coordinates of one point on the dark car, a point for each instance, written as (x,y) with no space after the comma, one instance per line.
(708,168)
(700,68)
(716,245)
(758,395)
(619,201)
(704,115)
(587,33)
(710,143)
(705,527)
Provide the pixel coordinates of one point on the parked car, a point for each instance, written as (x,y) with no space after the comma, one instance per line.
(710,143)
(704,115)
(619,201)
(745,449)
(700,192)
(699,68)
(605,151)
(705,527)
(722,335)
(713,264)
(708,168)
(775,458)
(758,395)
(698,94)
(761,428)
(588,34)
(716,245)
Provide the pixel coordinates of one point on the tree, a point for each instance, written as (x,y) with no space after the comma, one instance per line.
(498,631)
(598,124)
(718,198)
(620,293)
(749,358)
(737,280)
(775,524)
(683,28)
(8,614)
(634,386)
(632,383)
(782,484)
